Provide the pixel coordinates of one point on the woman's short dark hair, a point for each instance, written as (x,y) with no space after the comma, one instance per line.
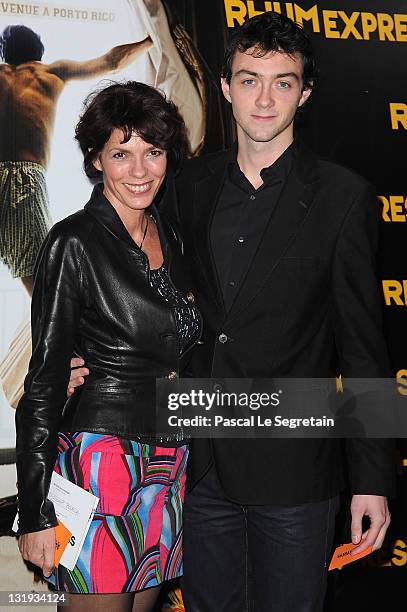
(19,44)
(267,32)
(134,108)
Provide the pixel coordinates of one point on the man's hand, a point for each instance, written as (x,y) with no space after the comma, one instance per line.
(376,508)
(78,374)
(39,548)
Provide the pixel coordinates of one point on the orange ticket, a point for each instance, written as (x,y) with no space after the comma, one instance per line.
(62,537)
(342,555)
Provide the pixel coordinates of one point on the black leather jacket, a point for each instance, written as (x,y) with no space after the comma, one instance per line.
(92,296)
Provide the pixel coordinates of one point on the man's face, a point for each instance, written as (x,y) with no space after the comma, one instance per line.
(265,93)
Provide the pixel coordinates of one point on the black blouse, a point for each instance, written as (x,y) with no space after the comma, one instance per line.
(187,316)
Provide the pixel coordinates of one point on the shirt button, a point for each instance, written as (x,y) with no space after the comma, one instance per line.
(231,283)
(252,197)
(172,376)
(241,239)
(223,338)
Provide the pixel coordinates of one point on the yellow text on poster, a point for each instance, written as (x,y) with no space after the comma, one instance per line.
(337,24)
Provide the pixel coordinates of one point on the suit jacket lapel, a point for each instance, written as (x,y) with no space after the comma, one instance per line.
(206,195)
(290,212)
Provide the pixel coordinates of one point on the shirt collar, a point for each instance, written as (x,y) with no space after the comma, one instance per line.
(276,172)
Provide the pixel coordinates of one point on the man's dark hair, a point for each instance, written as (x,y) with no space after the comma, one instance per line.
(271,32)
(134,108)
(19,44)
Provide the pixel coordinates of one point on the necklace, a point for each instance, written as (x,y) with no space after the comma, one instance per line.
(144,235)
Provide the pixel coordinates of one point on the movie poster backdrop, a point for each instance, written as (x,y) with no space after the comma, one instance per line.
(357,116)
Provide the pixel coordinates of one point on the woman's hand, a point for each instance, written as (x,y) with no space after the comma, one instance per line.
(78,374)
(39,548)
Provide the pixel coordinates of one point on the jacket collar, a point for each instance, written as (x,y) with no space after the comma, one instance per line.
(104,213)
(304,164)
(304,161)
(206,195)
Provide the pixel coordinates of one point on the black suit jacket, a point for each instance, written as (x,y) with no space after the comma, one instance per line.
(310,306)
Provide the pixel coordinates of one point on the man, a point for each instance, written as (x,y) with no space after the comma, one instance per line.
(282,249)
(29,91)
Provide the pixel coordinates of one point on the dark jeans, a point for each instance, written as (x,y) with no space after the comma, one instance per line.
(269,558)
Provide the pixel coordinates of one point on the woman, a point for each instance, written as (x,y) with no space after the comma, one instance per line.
(104,287)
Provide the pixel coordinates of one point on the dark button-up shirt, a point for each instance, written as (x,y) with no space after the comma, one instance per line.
(241,216)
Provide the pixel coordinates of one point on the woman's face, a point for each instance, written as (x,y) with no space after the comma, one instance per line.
(132,171)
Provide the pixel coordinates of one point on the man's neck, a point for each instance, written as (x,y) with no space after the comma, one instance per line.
(252,157)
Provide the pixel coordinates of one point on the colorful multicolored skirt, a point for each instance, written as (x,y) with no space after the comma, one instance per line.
(135,538)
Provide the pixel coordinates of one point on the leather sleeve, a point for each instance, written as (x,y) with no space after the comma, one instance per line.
(359,335)
(54,320)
